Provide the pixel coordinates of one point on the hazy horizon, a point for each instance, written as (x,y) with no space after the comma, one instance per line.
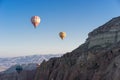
(30,55)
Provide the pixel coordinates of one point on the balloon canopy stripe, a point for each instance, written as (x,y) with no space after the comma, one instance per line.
(35,20)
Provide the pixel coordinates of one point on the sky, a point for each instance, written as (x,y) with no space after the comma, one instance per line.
(75,17)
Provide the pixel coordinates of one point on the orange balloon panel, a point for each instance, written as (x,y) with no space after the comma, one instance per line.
(35,21)
(62,35)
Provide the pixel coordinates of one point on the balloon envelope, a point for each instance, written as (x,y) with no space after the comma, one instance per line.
(35,21)
(62,35)
(19,68)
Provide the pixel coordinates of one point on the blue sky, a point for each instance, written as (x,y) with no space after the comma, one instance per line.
(76,17)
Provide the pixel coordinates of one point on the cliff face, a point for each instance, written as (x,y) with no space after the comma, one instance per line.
(109,33)
(112,25)
(87,62)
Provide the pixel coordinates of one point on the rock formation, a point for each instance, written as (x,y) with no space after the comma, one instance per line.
(96,59)
(108,33)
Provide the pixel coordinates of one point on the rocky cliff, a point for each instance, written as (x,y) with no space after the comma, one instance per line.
(94,62)
(109,33)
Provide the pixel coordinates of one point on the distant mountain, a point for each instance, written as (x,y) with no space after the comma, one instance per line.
(31,66)
(27,73)
(28,63)
(8,62)
(2,68)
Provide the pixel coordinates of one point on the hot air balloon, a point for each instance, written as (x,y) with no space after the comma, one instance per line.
(35,21)
(19,69)
(62,35)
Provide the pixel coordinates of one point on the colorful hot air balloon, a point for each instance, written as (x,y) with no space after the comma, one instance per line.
(62,35)
(35,21)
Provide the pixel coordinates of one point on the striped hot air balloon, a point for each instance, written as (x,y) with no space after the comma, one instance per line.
(35,21)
